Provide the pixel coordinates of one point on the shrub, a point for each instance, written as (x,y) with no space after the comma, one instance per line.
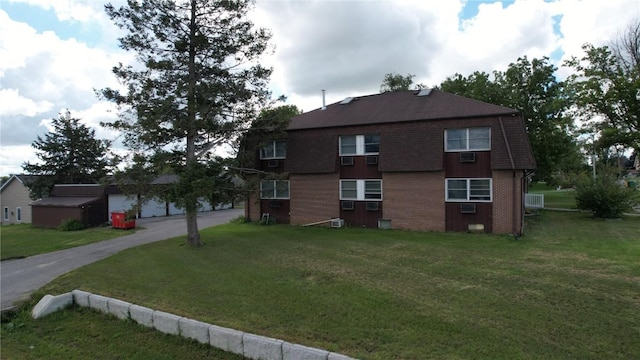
(240,220)
(604,196)
(71,225)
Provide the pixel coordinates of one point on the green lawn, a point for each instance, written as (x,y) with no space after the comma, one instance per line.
(568,289)
(26,240)
(560,199)
(86,334)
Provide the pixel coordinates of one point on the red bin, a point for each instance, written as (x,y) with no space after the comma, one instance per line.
(117,219)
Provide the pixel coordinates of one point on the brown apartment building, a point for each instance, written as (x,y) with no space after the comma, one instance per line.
(418,160)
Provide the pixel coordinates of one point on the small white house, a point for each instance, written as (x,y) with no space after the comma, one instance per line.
(15,200)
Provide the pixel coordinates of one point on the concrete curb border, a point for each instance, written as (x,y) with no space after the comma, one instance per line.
(248,345)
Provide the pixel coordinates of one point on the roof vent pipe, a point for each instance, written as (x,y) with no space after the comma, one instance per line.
(324,106)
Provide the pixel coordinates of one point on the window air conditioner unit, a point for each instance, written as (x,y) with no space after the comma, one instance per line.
(274,204)
(346,160)
(372,160)
(373,206)
(467,208)
(337,223)
(347,205)
(273,163)
(467,157)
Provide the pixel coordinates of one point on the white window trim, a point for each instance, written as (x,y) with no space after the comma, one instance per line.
(5,213)
(274,151)
(468,180)
(446,143)
(359,146)
(18,214)
(274,191)
(360,192)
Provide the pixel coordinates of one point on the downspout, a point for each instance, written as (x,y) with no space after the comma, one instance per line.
(513,181)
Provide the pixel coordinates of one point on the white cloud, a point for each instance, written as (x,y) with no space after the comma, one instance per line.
(592,21)
(344,47)
(41,75)
(12,158)
(15,104)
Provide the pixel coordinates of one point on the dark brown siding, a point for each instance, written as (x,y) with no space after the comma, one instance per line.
(268,165)
(312,152)
(406,146)
(90,214)
(480,168)
(518,144)
(360,216)
(52,217)
(277,209)
(359,170)
(415,146)
(96,213)
(456,221)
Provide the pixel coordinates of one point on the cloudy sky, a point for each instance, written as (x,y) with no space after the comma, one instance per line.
(54,53)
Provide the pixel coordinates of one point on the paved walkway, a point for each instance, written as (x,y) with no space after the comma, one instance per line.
(20,277)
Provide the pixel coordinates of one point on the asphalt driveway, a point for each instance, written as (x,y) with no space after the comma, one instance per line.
(20,277)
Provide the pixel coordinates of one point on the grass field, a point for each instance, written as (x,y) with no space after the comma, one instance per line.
(559,199)
(26,240)
(86,334)
(568,289)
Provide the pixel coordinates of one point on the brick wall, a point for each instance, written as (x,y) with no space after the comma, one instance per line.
(504,217)
(314,197)
(414,201)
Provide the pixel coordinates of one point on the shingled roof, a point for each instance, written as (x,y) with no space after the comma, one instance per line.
(397,106)
(87,190)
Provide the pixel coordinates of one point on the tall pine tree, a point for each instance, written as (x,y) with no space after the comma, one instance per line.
(69,154)
(198,83)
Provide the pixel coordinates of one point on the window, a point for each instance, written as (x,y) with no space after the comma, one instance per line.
(359,144)
(5,213)
(371,144)
(348,145)
(468,139)
(373,189)
(19,214)
(274,189)
(274,150)
(360,189)
(468,190)
(349,189)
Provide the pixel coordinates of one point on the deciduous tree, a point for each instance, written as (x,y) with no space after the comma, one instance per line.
(532,88)
(606,89)
(396,82)
(197,84)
